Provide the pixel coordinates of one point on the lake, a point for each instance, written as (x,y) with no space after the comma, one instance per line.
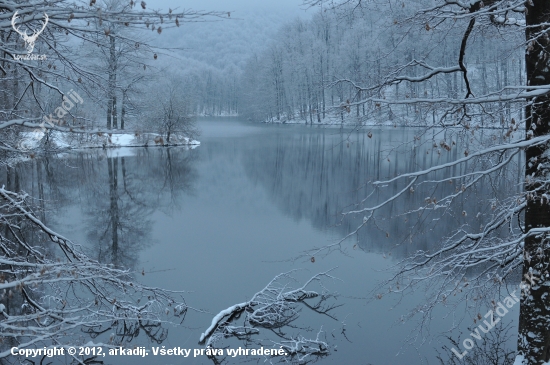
(252,201)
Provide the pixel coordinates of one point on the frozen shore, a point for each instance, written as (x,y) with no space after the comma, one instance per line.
(56,140)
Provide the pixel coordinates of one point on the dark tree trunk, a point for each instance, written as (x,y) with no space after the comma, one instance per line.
(115,122)
(4,76)
(123,110)
(111,98)
(109,113)
(113,209)
(534,322)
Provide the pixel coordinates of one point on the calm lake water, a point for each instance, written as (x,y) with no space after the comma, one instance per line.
(220,221)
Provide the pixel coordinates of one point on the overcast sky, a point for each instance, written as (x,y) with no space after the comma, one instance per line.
(293,6)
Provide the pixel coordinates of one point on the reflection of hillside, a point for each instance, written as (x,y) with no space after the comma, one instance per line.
(307,175)
(116,195)
(318,174)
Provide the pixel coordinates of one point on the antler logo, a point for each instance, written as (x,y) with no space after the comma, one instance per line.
(29,39)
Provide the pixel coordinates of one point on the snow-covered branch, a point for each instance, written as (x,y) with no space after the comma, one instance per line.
(274,307)
(53,299)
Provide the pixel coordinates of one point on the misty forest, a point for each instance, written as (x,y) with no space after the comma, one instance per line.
(292,181)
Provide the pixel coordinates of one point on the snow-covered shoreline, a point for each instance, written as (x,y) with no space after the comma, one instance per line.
(57,140)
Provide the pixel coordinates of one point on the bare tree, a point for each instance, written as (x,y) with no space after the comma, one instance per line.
(24,83)
(50,299)
(488,249)
(53,294)
(172,109)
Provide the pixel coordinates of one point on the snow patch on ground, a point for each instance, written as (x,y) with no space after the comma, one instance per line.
(56,140)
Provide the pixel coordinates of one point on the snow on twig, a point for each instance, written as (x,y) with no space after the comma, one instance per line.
(271,307)
(74,294)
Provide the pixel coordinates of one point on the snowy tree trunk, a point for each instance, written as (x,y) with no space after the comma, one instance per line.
(534,323)
(123,110)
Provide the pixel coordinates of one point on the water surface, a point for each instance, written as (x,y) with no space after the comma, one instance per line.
(220,221)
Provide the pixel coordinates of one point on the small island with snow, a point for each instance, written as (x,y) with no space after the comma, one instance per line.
(57,140)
